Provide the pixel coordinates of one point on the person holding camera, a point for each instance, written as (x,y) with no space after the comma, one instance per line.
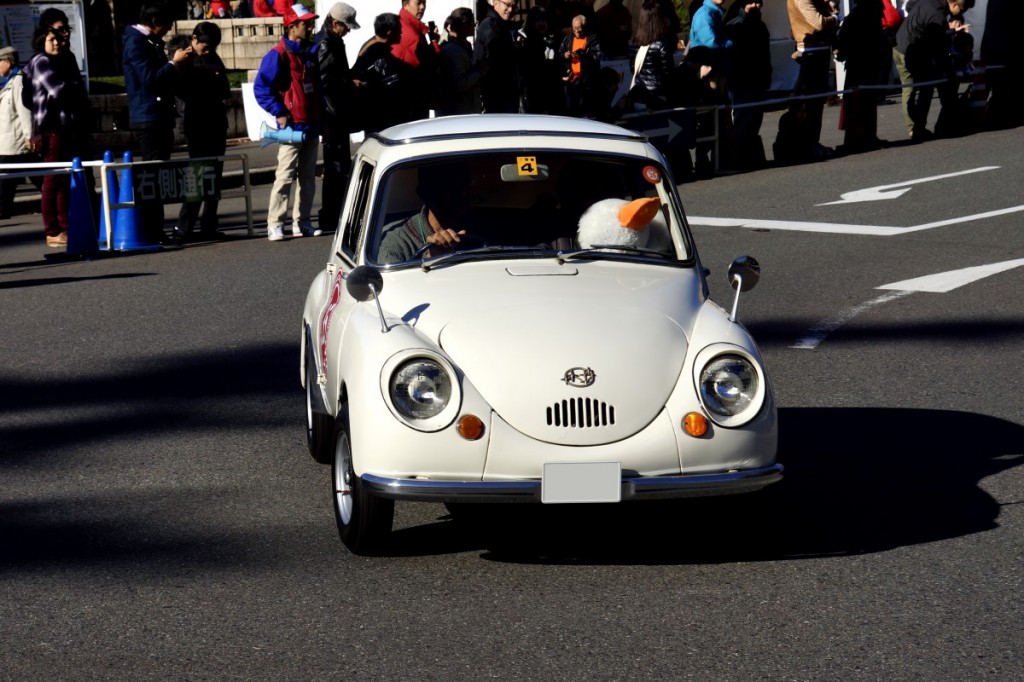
(581,54)
(204,90)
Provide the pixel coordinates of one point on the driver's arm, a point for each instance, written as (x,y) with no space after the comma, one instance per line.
(445,237)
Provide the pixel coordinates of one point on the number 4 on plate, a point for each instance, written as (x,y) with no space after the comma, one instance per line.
(527,165)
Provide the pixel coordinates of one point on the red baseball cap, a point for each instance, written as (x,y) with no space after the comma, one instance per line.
(298,12)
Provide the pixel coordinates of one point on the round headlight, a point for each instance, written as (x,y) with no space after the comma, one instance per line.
(728,385)
(420,388)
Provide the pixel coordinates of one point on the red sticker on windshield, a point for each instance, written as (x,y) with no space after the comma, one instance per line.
(651,175)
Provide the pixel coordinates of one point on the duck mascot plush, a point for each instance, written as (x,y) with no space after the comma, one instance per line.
(631,224)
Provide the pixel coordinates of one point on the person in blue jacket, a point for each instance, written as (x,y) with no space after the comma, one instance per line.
(149,79)
(288,88)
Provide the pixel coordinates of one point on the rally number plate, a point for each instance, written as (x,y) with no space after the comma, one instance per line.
(581,482)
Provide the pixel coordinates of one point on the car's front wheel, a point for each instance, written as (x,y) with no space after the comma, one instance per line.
(364,520)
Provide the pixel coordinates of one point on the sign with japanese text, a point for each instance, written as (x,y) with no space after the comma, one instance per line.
(177,181)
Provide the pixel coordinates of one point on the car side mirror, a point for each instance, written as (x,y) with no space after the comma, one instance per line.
(364,283)
(744,273)
(743,276)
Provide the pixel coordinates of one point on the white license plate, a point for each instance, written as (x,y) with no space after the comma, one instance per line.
(578,482)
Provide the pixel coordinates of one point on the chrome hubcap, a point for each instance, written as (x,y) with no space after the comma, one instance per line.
(343,479)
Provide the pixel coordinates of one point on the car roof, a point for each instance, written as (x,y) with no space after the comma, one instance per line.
(500,125)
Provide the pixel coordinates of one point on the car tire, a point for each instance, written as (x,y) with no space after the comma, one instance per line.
(319,427)
(364,520)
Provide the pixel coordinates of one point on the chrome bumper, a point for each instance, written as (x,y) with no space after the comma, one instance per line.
(641,488)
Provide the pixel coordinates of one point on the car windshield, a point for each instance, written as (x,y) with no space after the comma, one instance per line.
(525,204)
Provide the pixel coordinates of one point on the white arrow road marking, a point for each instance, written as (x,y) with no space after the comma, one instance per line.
(943,282)
(888,192)
(817,334)
(839,228)
(940,283)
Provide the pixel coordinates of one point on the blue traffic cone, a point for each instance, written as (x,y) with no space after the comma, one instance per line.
(127,234)
(112,197)
(81,227)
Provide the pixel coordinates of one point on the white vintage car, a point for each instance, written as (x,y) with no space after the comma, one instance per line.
(517,364)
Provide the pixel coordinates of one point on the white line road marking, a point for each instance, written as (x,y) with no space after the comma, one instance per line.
(838,228)
(943,282)
(883,192)
(818,334)
(939,283)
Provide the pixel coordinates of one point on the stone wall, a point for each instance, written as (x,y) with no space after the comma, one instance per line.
(243,41)
(243,44)
(111,121)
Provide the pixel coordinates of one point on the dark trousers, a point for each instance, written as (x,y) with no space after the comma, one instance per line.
(574,98)
(56,195)
(746,123)
(155,142)
(813,79)
(200,145)
(337,161)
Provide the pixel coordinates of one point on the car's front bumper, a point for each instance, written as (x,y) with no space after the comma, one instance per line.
(638,488)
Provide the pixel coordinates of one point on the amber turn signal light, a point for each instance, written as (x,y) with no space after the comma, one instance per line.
(695,424)
(470,427)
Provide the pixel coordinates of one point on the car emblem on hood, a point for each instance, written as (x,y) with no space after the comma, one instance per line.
(581,377)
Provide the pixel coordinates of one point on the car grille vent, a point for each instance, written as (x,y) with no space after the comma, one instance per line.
(581,413)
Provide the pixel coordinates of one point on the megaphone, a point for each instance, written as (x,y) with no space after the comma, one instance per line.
(287,135)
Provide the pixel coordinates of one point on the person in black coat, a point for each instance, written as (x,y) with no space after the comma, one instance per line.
(922,55)
(863,48)
(541,65)
(337,99)
(495,54)
(204,89)
(460,77)
(653,81)
(750,79)
(382,102)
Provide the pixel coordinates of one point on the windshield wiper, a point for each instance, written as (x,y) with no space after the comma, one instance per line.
(605,250)
(481,250)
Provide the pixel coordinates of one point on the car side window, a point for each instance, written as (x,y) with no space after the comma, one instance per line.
(354,226)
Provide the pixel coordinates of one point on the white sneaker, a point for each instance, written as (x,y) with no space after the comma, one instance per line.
(275,233)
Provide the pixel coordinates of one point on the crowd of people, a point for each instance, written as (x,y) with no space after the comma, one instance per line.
(557,57)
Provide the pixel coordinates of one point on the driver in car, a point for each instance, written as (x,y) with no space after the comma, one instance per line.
(444,191)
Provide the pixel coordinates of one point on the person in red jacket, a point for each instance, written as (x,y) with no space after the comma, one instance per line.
(219,9)
(287,86)
(270,8)
(418,49)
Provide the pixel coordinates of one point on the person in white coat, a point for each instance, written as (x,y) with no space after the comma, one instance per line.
(15,125)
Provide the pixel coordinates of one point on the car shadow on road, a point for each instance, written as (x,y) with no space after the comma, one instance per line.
(858,480)
(25,283)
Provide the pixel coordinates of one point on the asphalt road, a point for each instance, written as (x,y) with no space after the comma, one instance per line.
(160,518)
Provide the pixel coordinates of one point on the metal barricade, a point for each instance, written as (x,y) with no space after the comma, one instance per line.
(714,136)
(245,191)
